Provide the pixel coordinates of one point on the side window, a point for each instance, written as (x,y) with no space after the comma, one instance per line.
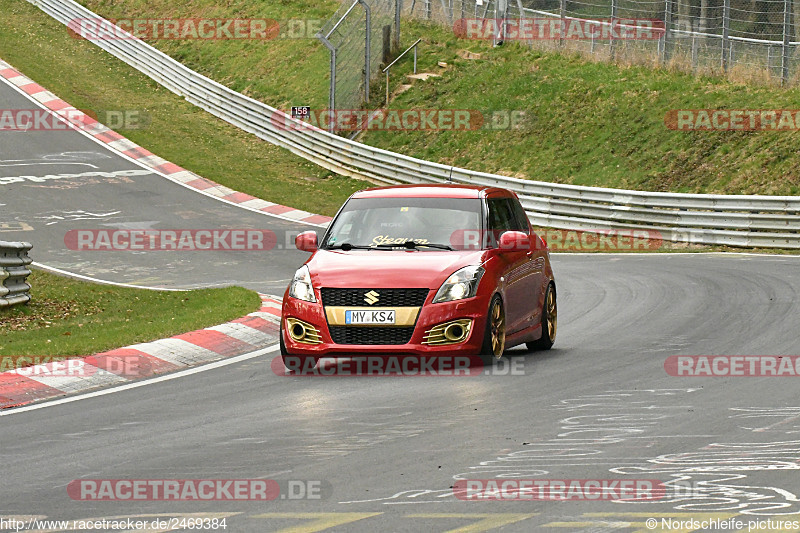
(505,214)
(520,216)
(501,215)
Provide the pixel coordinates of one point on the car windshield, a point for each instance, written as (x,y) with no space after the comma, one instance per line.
(428,223)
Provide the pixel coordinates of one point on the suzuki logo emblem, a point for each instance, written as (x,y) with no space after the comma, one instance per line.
(371,297)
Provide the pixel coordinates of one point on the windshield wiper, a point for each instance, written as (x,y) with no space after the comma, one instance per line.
(346,246)
(412,245)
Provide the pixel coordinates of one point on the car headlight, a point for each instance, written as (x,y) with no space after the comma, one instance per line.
(301,285)
(462,284)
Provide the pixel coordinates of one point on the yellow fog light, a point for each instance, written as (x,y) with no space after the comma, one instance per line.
(303,332)
(452,332)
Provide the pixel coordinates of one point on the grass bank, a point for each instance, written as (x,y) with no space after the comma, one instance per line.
(67,317)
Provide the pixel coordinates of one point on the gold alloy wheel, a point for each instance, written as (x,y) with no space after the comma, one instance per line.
(497,326)
(552,315)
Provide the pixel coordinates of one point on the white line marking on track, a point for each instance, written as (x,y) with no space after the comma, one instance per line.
(154,171)
(102,281)
(137,384)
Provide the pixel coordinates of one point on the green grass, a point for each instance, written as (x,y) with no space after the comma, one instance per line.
(67,317)
(91,79)
(594,124)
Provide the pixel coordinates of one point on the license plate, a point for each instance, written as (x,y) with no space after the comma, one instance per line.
(369,317)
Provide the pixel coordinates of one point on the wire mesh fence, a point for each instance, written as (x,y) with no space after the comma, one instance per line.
(752,38)
(755,38)
(355,37)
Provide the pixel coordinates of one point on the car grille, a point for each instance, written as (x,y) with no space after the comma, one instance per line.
(386,298)
(371,334)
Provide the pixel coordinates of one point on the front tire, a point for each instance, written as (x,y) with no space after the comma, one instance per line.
(494,338)
(549,321)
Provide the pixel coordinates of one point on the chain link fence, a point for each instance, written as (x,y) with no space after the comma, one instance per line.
(753,38)
(356,37)
(756,39)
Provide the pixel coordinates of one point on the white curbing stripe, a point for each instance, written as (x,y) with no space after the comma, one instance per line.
(44,97)
(267,316)
(153,161)
(257,203)
(184,176)
(243,333)
(177,351)
(123,145)
(296,214)
(19,81)
(220,190)
(85,376)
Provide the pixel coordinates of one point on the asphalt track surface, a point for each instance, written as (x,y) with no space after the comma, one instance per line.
(388,450)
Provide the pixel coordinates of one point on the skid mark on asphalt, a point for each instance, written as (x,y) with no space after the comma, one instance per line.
(601,428)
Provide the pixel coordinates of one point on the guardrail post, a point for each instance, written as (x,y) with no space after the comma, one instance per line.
(787,29)
(14,272)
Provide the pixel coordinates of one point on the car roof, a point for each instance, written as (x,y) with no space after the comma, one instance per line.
(431,191)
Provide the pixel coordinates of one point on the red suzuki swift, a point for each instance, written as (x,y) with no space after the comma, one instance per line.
(421,269)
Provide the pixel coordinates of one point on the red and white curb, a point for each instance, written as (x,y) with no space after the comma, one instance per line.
(244,335)
(127,147)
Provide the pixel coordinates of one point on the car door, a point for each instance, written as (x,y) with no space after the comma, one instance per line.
(516,265)
(533,280)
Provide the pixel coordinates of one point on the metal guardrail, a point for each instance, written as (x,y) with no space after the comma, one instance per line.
(736,220)
(14,272)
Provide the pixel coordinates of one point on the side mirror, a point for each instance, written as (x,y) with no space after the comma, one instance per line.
(306,241)
(514,241)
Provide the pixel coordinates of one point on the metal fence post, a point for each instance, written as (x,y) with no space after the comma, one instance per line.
(398,8)
(562,12)
(367,46)
(667,30)
(612,42)
(787,18)
(726,23)
(332,93)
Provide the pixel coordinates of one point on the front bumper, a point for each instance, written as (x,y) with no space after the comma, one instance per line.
(429,316)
